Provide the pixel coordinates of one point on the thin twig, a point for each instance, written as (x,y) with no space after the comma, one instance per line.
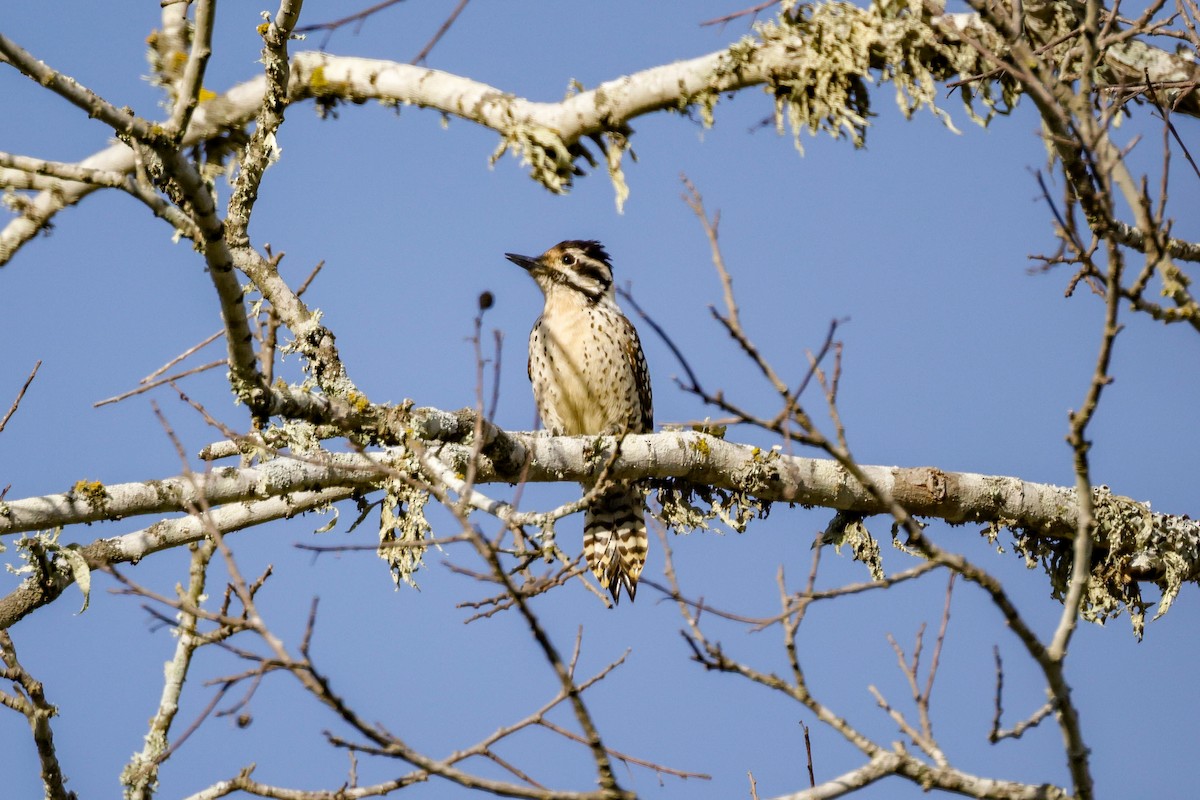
(937,650)
(311,277)
(29,699)
(441,31)
(1165,116)
(17,402)
(808,759)
(752,11)
(193,349)
(161,382)
(627,296)
(997,733)
(360,16)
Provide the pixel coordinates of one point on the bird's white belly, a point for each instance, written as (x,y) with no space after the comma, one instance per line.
(578,375)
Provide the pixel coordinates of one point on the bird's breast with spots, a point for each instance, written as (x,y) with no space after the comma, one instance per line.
(581,377)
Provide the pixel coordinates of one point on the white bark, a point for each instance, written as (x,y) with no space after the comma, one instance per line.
(45,586)
(1150,542)
(543,132)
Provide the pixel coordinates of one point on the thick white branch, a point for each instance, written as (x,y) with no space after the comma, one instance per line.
(185,493)
(610,103)
(1040,509)
(230,110)
(608,107)
(1137,544)
(41,589)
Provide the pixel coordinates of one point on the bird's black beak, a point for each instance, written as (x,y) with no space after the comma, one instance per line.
(524,262)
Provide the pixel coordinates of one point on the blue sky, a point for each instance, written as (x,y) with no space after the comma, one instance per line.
(955,356)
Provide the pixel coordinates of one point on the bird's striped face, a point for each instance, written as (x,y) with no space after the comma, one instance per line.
(579,266)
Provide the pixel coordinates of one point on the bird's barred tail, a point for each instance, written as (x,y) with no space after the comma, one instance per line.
(614,540)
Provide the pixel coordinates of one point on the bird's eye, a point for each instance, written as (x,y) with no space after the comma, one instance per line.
(568,260)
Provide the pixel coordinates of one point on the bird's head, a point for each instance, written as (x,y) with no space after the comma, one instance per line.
(573,265)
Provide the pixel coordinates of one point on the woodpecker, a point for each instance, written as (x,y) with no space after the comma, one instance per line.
(589,377)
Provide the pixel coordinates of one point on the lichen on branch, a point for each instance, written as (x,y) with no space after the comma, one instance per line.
(820,59)
(1138,545)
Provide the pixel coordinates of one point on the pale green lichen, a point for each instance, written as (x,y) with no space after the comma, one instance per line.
(549,158)
(818,62)
(42,554)
(679,509)
(616,144)
(848,529)
(827,54)
(402,529)
(332,511)
(761,469)
(299,437)
(687,507)
(166,61)
(1134,542)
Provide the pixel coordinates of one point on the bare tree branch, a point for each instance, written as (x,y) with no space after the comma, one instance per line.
(545,134)
(442,30)
(29,698)
(12,409)
(46,586)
